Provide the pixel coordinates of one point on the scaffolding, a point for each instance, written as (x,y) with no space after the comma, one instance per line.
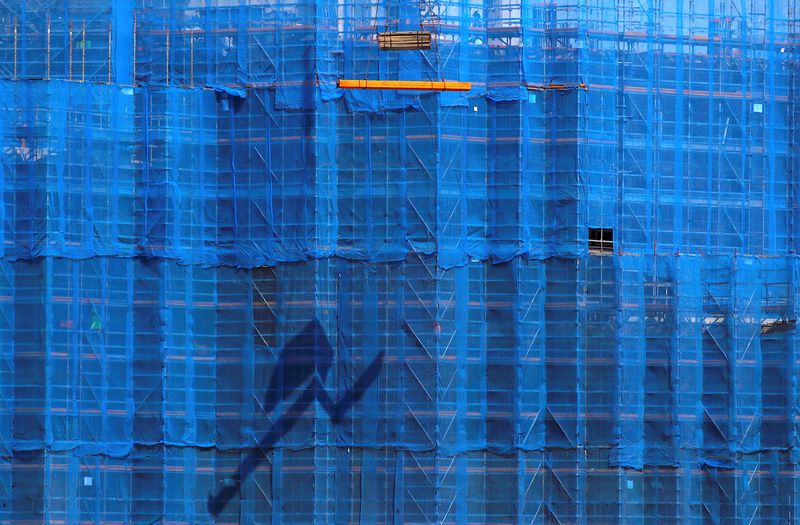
(233,292)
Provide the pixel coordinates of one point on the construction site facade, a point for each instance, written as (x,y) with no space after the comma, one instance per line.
(234,291)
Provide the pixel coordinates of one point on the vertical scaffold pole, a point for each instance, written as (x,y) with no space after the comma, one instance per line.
(70,49)
(134,47)
(83,51)
(167,58)
(47,75)
(191,58)
(109,52)
(16,22)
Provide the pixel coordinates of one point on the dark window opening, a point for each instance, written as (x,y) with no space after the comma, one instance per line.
(601,241)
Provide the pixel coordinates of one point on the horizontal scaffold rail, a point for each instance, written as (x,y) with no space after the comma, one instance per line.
(543,87)
(415,85)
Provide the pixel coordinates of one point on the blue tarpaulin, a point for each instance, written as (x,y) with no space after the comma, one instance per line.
(231,292)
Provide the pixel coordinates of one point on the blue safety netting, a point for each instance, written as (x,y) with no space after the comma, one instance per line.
(232,292)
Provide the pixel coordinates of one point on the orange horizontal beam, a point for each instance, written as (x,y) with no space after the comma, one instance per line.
(415,85)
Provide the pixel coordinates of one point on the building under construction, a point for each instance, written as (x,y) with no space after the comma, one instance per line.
(388,261)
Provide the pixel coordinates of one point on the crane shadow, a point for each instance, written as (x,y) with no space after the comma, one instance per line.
(302,367)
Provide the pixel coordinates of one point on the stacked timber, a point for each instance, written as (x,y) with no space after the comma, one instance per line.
(404,40)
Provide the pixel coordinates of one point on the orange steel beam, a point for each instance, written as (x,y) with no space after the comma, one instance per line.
(416,85)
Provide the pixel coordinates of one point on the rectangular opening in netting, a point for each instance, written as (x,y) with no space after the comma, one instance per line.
(601,241)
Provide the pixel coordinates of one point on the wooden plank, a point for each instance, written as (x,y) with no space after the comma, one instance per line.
(414,85)
(404,40)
